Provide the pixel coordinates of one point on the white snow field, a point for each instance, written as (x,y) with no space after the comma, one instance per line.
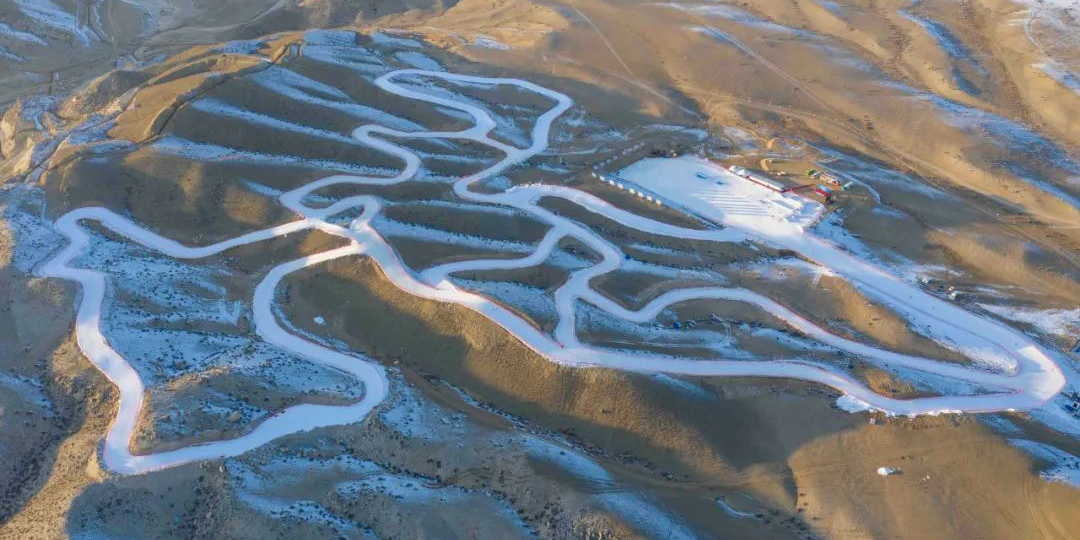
(1012,370)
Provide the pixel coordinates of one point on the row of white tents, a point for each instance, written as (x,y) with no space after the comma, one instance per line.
(633,191)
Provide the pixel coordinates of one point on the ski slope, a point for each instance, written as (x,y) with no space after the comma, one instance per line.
(1013,371)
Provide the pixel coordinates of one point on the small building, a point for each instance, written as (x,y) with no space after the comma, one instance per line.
(825,177)
(824,192)
(757,179)
(766,183)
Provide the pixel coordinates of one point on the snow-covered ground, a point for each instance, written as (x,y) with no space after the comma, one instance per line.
(1009,358)
(1057,322)
(1022,376)
(709,190)
(1063,467)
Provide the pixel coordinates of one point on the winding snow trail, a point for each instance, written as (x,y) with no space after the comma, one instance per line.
(1025,377)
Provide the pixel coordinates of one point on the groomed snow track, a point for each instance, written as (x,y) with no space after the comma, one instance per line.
(1026,377)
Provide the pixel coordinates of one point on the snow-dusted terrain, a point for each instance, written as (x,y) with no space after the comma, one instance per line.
(1012,371)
